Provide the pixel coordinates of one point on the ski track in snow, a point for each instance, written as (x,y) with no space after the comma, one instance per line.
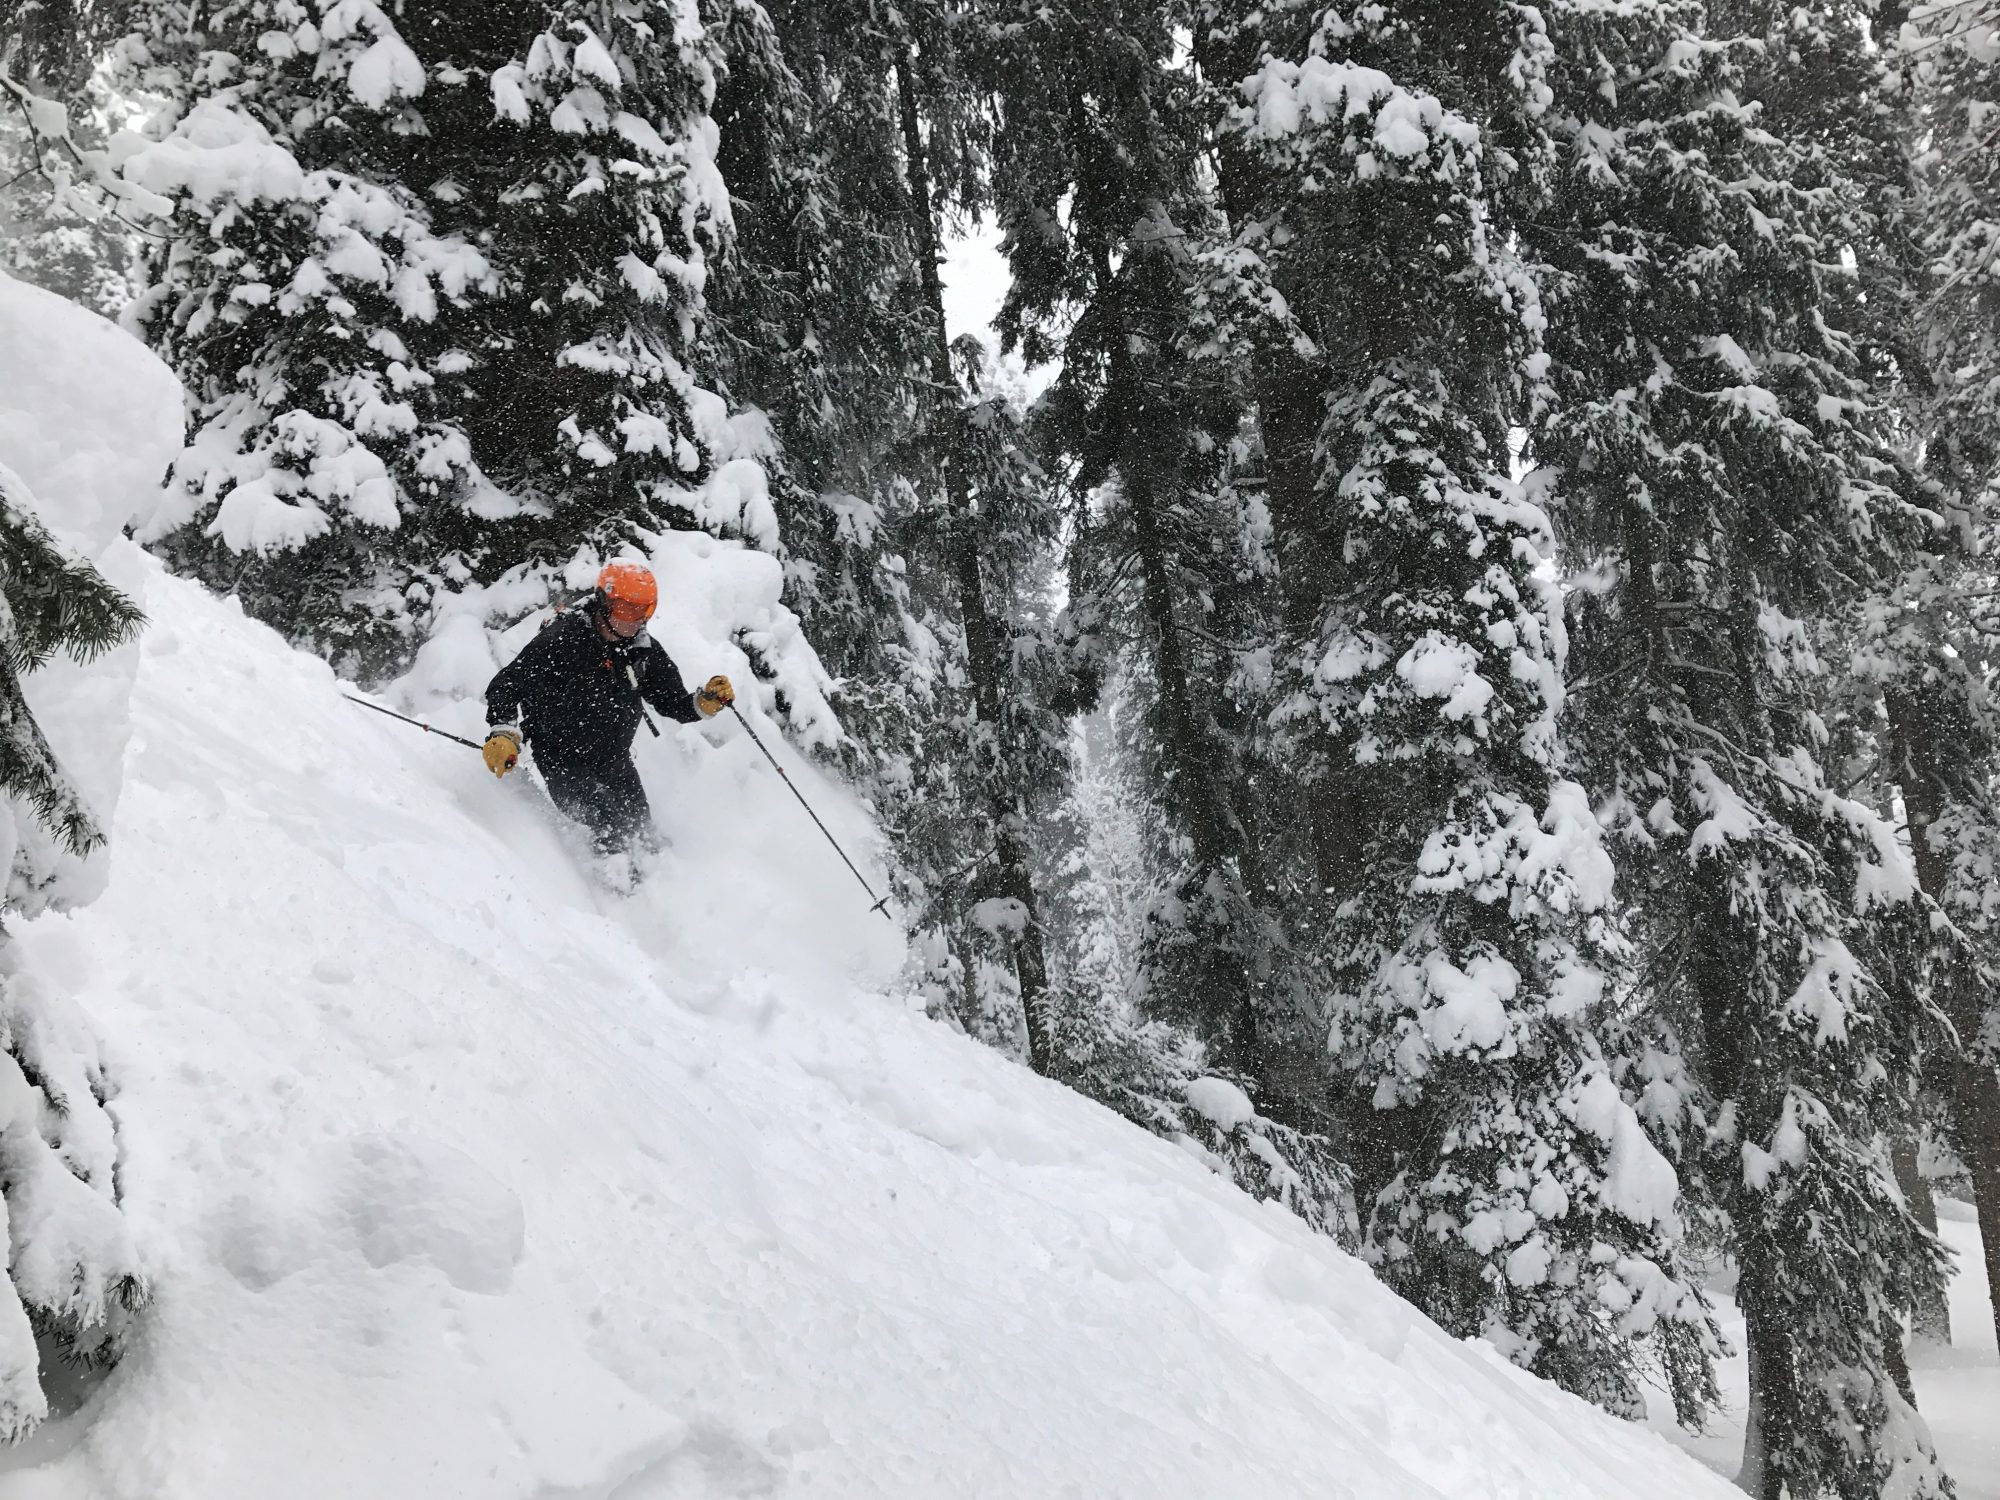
(461,1178)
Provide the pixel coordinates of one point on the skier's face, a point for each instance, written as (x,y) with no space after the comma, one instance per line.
(610,623)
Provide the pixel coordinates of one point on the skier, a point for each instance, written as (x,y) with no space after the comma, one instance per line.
(577,693)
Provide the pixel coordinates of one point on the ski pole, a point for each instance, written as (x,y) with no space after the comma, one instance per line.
(426,728)
(881,905)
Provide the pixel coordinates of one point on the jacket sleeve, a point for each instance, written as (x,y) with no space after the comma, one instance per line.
(519,682)
(662,688)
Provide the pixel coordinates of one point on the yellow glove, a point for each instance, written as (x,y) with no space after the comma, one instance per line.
(502,751)
(716,694)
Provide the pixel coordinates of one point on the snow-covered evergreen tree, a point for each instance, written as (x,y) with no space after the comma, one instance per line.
(41,242)
(1001,720)
(59,226)
(54,603)
(1509,1185)
(437,286)
(821,324)
(818,308)
(988,519)
(1953,49)
(1938,624)
(1100,189)
(1095,882)
(1725,495)
(1919,712)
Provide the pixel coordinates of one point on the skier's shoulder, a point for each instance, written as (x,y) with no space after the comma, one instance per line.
(656,657)
(566,627)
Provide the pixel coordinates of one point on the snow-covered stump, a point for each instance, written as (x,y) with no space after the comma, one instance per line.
(88,422)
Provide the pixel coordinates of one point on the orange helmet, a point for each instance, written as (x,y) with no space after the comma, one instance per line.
(629,591)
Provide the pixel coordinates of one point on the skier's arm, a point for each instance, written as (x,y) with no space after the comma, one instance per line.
(661,687)
(514,684)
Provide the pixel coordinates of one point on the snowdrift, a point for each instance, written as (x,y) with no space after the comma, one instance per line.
(461,1178)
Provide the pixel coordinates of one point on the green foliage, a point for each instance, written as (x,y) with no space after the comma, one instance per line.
(1732,499)
(1144,1070)
(453,320)
(58,602)
(54,602)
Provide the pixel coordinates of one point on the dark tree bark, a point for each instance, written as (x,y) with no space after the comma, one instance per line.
(1717,963)
(1773,1405)
(1714,967)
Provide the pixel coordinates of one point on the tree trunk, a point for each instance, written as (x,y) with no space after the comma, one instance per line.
(1773,1404)
(1288,395)
(1978,1100)
(1930,1318)
(1750,1478)
(1715,966)
(982,636)
(1924,778)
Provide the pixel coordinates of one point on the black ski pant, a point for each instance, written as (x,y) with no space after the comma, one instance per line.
(606,798)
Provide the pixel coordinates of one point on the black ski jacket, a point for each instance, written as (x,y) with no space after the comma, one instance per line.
(573,693)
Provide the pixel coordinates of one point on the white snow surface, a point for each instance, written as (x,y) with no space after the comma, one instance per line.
(458,1177)
(88,417)
(1221,1102)
(89,421)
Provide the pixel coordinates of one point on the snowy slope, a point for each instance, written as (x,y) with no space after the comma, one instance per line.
(461,1179)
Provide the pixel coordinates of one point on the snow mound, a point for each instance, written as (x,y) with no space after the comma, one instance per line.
(89,417)
(1221,1102)
(463,1178)
(89,420)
